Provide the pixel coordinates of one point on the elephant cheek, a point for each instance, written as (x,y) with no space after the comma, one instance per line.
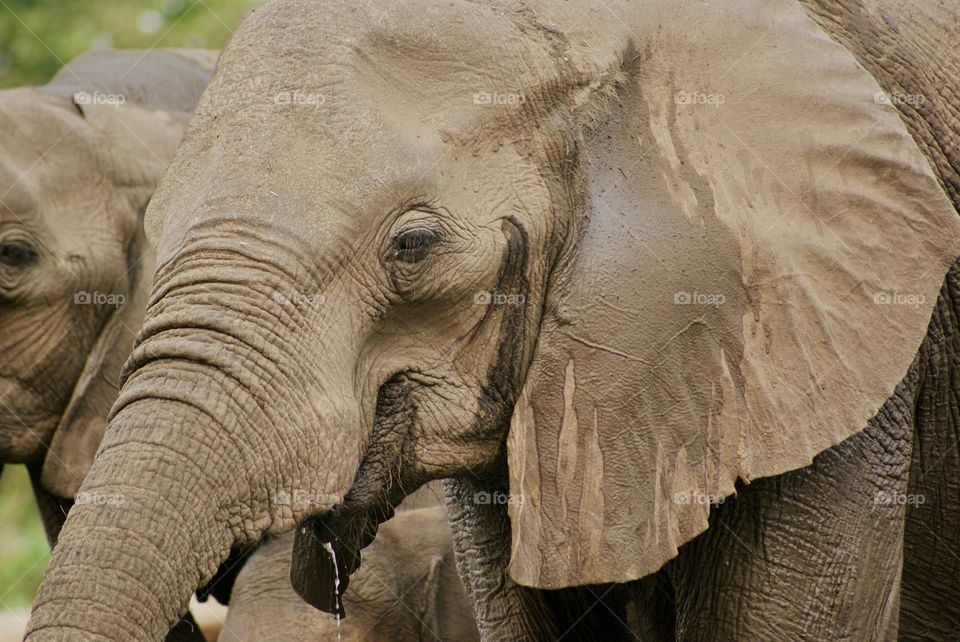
(459,428)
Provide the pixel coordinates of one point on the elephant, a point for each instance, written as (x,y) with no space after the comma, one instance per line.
(666,291)
(407,589)
(79,159)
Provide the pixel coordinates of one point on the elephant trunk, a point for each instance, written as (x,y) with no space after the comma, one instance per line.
(216,440)
(143,534)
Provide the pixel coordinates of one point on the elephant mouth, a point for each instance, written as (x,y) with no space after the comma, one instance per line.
(327,546)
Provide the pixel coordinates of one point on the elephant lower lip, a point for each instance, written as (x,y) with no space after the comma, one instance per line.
(327,551)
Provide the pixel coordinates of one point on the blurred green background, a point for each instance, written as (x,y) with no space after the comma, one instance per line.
(23,546)
(35,36)
(35,33)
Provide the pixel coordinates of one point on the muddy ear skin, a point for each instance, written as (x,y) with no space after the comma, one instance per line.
(764,247)
(134,145)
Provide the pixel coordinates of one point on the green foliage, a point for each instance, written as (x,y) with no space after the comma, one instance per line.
(23,545)
(38,36)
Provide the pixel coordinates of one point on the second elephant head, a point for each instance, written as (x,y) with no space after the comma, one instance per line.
(79,160)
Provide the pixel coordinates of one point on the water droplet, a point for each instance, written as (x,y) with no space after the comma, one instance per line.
(336,583)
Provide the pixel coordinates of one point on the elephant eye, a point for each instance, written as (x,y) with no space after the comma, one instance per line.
(17,254)
(413,245)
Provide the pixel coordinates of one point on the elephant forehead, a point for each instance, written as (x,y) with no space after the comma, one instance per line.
(53,174)
(16,194)
(363,85)
(310,125)
(456,42)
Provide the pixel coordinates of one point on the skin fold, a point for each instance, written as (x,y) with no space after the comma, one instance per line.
(389,254)
(79,159)
(407,589)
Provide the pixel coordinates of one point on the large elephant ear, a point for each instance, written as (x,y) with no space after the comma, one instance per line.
(134,147)
(764,246)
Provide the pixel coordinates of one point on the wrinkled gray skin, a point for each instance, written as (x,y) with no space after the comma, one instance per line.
(287,350)
(408,588)
(915,49)
(75,179)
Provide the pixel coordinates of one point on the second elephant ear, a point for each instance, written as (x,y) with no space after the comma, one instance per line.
(764,245)
(134,146)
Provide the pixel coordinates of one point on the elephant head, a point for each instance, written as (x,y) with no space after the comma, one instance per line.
(551,235)
(79,160)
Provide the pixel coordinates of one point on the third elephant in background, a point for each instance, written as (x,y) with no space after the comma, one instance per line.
(407,589)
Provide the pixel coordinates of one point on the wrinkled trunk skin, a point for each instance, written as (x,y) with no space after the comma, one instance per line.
(130,555)
(211,435)
(503,609)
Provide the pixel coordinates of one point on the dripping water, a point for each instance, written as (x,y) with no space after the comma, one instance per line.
(336,582)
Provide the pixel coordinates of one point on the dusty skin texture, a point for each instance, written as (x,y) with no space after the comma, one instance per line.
(407,589)
(800,352)
(712,252)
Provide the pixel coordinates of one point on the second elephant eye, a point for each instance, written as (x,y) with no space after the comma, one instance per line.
(413,245)
(17,254)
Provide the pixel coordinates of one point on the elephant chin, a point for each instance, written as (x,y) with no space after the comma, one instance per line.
(327,549)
